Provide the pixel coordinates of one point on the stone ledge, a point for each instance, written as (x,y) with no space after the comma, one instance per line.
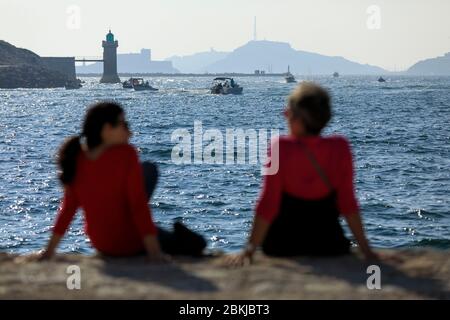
(405,274)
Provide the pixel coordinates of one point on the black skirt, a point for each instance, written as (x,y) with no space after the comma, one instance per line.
(306,227)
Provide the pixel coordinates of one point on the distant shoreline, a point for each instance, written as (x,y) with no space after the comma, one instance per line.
(231,75)
(209,75)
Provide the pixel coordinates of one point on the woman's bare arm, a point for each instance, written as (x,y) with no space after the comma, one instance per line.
(356,226)
(50,250)
(257,236)
(259,231)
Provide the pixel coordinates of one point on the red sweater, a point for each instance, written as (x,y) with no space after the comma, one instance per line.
(297,176)
(110,190)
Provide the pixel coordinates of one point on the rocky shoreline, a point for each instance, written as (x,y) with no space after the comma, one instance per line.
(21,68)
(405,274)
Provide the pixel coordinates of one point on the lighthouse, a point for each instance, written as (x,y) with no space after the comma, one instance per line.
(110,60)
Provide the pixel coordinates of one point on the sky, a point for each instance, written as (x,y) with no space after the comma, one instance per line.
(393,34)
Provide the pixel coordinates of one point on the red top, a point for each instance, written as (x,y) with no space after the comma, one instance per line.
(110,190)
(298,177)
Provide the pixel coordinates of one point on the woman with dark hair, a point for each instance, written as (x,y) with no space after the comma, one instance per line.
(299,206)
(101,174)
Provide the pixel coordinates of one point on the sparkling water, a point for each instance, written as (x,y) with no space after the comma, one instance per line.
(399,131)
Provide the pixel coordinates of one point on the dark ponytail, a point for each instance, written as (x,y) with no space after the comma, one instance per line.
(67,159)
(96,117)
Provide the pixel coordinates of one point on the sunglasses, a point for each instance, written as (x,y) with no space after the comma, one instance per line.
(125,124)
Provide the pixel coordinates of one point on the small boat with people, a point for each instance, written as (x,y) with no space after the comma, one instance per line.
(127,84)
(289,77)
(138,84)
(223,85)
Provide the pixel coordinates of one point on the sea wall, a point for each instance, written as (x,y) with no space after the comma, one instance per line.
(30,76)
(64,65)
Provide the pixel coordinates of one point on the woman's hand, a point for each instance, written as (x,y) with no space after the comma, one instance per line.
(356,226)
(158,257)
(257,235)
(44,255)
(49,251)
(371,256)
(238,260)
(154,252)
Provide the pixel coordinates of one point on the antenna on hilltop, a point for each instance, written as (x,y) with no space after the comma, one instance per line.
(254,29)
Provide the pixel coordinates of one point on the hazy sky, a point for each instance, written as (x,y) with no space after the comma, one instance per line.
(409,30)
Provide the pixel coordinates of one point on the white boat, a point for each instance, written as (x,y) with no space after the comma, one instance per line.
(128,84)
(140,85)
(289,77)
(224,85)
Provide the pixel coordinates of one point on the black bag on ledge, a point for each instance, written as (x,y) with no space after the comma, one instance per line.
(181,241)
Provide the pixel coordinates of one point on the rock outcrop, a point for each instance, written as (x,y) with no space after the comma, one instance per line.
(21,68)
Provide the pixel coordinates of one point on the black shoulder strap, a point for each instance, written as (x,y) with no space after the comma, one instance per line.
(316,166)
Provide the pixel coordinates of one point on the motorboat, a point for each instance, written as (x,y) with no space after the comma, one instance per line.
(128,84)
(140,85)
(289,77)
(224,85)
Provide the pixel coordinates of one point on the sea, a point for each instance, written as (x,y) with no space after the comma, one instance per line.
(399,132)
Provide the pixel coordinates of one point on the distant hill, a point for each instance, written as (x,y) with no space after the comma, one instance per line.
(22,68)
(276,56)
(434,66)
(197,63)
